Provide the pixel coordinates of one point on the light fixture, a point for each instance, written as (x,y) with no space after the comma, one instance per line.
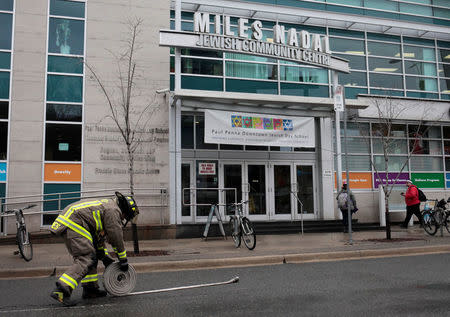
(384,69)
(410,55)
(447,57)
(355,52)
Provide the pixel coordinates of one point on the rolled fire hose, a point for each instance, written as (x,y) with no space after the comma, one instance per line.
(117,282)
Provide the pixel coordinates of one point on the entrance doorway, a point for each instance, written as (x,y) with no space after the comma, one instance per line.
(270,189)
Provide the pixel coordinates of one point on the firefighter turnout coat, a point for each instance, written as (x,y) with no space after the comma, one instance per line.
(85,225)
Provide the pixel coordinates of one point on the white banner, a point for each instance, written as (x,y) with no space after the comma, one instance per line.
(227,127)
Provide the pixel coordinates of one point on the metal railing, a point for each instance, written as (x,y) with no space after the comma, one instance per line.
(54,203)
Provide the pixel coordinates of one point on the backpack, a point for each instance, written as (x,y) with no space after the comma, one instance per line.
(342,200)
(422,196)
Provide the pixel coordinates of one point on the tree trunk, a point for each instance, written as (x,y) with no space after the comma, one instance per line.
(131,175)
(387,216)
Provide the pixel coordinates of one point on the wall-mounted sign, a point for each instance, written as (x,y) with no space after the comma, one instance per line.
(56,172)
(63,146)
(393,177)
(228,127)
(339,98)
(299,46)
(3,172)
(358,180)
(207,168)
(428,180)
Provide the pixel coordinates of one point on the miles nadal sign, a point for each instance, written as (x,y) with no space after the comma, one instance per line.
(292,45)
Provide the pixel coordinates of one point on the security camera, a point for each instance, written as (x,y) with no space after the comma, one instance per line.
(162,91)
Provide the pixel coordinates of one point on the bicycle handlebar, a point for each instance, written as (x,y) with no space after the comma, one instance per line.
(239,204)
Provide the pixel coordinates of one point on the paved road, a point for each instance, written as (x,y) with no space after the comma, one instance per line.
(401,286)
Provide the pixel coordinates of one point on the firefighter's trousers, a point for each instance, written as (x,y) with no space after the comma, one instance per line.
(84,268)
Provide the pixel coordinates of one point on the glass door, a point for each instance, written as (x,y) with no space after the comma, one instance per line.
(232,178)
(207,182)
(305,186)
(255,191)
(187,196)
(282,198)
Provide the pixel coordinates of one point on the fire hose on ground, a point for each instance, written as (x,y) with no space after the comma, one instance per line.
(119,283)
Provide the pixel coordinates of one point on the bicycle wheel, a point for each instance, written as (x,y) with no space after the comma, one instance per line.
(235,234)
(248,234)
(429,223)
(24,243)
(447,222)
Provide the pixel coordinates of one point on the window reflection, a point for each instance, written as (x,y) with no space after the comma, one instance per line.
(66,36)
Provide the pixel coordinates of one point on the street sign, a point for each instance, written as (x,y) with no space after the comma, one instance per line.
(339,98)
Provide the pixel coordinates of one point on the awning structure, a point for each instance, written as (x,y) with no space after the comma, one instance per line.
(261,103)
(317,18)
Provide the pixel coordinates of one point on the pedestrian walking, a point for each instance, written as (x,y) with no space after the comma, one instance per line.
(345,199)
(85,225)
(412,204)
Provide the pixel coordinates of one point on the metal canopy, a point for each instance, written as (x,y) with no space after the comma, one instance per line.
(317,18)
(261,103)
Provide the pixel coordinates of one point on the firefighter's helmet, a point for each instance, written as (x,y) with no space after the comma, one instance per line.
(128,206)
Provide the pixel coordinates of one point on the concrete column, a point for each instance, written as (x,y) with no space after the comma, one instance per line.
(326,172)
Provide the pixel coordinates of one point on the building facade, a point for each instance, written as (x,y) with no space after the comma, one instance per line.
(56,135)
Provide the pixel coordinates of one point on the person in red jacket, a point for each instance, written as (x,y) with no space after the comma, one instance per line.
(412,204)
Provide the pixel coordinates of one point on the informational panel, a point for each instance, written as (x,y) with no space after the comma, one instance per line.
(358,180)
(226,127)
(57,172)
(428,180)
(2,172)
(394,177)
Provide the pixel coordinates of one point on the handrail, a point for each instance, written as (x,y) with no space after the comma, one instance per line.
(301,207)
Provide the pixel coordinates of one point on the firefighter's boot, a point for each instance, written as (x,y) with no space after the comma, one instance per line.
(62,294)
(93,291)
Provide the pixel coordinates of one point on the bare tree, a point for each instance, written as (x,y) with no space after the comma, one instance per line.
(129,113)
(388,114)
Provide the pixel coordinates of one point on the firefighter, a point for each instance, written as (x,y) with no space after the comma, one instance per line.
(85,225)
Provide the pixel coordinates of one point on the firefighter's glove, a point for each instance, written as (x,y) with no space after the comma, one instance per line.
(100,254)
(124,265)
(107,261)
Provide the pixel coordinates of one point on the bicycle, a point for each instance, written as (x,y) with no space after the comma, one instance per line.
(22,236)
(434,218)
(241,227)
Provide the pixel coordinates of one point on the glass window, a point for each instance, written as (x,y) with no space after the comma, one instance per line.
(356,145)
(64,88)
(441,3)
(245,57)
(356,162)
(307,90)
(62,64)
(202,53)
(352,93)
(383,37)
(353,79)
(5,31)
(387,81)
(419,83)
(384,49)
(5,60)
(381,4)
(394,130)
(354,61)
(426,163)
(63,142)
(422,53)
(384,65)
(446,132)
(201,66)
(231,147)
(4,109)
(67,8)
(346,33)
(66,36)
(347,46)
(355,129)
(444,55)
(7,5)
(422,146)
(187,132)
(392,146)
(253,71)
(424,131)
(202,83)
(415,9)
(304,74)
(357,3)
(445,85)
(61,112)
(446,146)
(3,140)
(200,135)
(59,200)
(256,148)
(441,13)
(395,163)
(387,92)
(419,68)
(252,86)
(4,85)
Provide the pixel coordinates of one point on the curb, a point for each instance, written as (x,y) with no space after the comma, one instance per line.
(240,262)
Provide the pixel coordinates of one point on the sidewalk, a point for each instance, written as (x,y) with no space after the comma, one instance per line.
(217,252)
